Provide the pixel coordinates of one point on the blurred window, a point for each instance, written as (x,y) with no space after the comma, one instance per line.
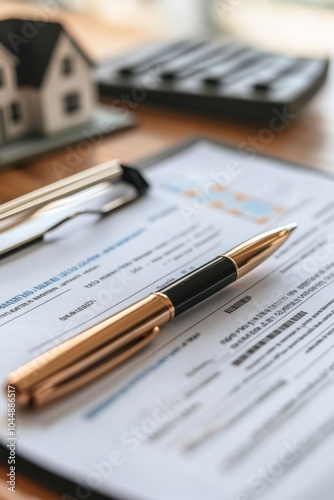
(71,103)
(67,66)
(15,110)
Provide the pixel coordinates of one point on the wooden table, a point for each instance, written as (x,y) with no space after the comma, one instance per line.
(308,139)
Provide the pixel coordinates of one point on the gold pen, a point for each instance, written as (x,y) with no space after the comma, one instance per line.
(99,349)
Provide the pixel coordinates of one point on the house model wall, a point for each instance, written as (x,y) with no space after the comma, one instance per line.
(46,82)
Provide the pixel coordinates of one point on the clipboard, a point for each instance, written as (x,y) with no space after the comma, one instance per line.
(47,477)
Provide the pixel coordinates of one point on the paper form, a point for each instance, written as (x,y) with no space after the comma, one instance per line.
(234,399)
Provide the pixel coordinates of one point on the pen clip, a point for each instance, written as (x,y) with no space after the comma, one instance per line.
(92,366)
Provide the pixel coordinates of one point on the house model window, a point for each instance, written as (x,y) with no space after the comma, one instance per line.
(2,79)
(71,103)
(67,66)
(16,113)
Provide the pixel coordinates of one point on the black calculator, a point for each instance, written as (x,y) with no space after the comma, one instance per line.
(219,77)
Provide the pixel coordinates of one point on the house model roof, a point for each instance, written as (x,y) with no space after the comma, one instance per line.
(32,44)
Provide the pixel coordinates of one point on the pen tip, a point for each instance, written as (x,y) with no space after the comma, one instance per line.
(291,227)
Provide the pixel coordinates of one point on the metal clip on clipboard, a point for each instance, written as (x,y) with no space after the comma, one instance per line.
(27,219)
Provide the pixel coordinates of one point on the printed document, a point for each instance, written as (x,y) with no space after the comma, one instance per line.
(233,400)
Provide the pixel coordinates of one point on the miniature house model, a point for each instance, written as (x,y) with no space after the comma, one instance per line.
(46,82)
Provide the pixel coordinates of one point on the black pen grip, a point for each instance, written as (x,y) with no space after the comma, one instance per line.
(200,284)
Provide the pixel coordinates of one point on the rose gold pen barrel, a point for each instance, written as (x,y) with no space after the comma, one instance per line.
(99,349)
(253,252)
(88,355)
